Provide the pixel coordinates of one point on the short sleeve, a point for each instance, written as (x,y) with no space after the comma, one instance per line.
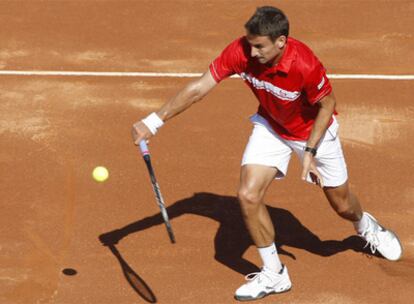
(317,84)
(229,62)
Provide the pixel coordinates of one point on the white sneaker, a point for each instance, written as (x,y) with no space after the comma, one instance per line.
(382,240)
(261,284)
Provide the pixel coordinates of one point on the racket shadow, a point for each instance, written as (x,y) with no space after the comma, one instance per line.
(134,280)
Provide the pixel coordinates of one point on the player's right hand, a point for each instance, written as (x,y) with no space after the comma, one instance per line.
(140,132)
(309,167)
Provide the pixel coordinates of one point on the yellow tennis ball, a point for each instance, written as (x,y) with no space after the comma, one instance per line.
(100,174)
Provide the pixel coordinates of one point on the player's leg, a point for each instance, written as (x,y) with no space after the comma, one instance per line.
(378,238)
(266,157)
(345,204)
(331,164)
(254,181)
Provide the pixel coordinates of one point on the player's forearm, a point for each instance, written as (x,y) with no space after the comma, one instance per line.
(149,125)
(182,101)
(322,120)
(190,94)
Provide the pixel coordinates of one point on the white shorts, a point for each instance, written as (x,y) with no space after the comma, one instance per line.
(267,148)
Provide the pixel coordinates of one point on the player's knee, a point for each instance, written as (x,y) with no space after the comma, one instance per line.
(249,199)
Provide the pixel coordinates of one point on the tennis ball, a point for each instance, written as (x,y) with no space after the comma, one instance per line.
(100,174)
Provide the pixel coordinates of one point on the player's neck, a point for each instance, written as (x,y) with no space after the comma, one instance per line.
(278,57)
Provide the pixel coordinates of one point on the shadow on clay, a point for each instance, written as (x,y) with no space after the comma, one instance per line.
(134,280)
(232,238)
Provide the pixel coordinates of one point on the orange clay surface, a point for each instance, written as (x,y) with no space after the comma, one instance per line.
(55,130)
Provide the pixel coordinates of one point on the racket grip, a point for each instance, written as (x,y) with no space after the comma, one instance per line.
(144,148)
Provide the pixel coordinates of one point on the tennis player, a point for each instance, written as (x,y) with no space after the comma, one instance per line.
(296,113)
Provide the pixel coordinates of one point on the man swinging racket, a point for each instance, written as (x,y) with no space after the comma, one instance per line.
(296,114)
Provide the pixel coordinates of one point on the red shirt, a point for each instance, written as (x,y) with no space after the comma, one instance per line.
(287,92)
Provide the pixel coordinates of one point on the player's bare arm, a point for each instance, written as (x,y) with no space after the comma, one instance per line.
(190,94)
(327,108)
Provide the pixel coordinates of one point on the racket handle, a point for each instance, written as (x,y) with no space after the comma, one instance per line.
(144,148)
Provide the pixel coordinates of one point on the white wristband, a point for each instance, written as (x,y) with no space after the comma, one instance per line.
(153,122)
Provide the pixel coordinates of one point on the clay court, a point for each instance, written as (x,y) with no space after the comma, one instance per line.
(55,129)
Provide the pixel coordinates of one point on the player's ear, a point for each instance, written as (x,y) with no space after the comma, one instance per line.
(281,41)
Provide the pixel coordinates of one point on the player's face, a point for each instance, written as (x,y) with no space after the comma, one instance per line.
(264,49)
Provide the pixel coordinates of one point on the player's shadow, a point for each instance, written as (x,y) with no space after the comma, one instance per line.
(232,238)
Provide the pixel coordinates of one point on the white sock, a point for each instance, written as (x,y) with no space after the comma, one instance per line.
(270,257)
(362,224)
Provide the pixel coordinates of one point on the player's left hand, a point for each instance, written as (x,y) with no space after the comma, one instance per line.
(309,167)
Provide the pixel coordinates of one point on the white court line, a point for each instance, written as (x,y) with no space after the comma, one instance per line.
(180,75)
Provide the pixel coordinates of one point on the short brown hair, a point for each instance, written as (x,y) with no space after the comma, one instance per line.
(268,21)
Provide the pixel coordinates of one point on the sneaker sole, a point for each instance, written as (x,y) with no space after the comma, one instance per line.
(259,296)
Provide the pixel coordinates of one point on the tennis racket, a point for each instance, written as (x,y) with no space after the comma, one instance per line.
(160,201)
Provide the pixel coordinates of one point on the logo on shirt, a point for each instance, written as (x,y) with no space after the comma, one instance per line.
(320,85)
(270,88)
